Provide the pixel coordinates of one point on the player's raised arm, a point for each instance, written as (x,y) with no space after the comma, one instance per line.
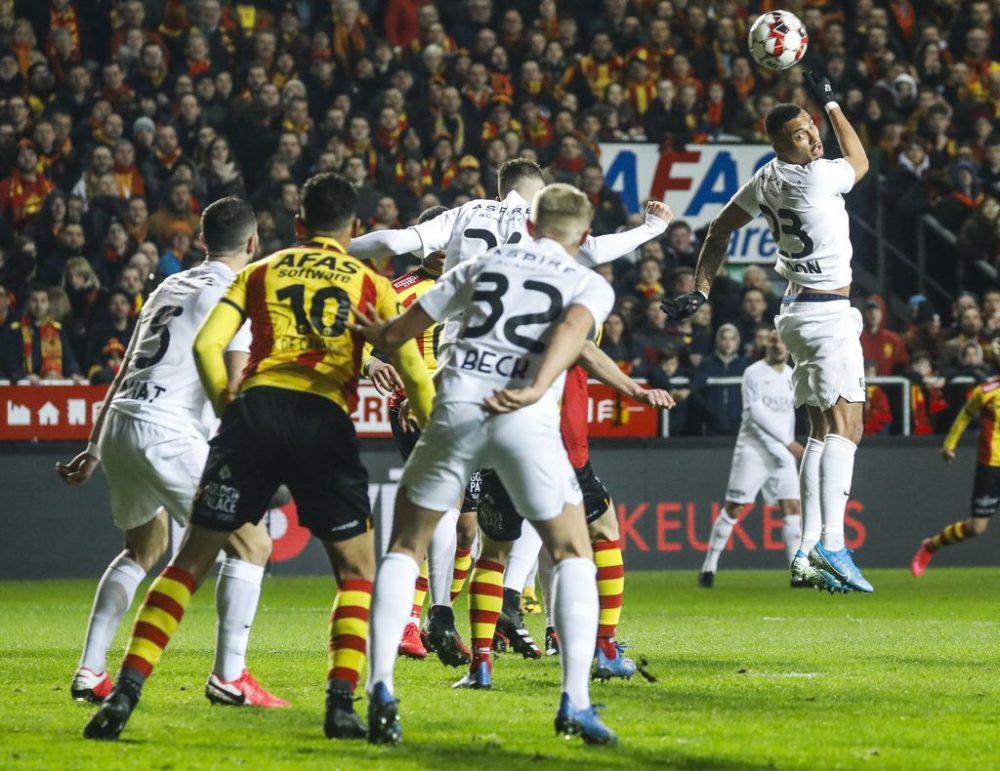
(711,257)
(597,250)
(218,329)
(850,144)
(601,367)
(427,237)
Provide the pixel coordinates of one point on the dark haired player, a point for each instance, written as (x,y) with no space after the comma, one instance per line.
(152,434)
(801,195)
(289,423)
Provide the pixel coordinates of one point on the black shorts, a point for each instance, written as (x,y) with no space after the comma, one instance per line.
(985,491)
(498,517)
(273,436)
(407,440)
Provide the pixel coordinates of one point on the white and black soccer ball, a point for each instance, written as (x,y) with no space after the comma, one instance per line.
(777,40)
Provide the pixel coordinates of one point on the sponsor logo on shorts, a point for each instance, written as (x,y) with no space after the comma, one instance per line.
(219,498)
(345,526)
(732,493)
(861,382)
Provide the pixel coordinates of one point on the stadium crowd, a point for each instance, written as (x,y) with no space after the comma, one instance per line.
(120,120)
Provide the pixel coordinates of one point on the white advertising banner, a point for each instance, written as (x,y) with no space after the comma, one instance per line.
(696,181)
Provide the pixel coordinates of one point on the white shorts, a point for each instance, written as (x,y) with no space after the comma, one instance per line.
(755,468)
(824,340)
(524,448)
(148,466)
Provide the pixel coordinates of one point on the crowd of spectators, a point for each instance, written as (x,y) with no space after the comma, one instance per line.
(121,119)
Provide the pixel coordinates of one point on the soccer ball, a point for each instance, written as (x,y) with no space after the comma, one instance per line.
(777,40)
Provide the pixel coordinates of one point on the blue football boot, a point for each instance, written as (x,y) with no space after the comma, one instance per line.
(584,723)
(841,566)
(606,668)
(479,677)
(383,717)
(804,571)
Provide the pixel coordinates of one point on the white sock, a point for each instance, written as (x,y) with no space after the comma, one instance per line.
(576,608)
(722,528)
(236,595)
(529,581)
(836,471)
(522,558)
(812,513)
(115,593)
(441,558)
(545,570)
(791,534)
(392,600)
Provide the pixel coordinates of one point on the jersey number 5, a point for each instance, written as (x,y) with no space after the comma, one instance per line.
(787,222)
(494,299)
(157,333)
(313,324)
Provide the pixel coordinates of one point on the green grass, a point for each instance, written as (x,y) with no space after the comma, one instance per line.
(750,675)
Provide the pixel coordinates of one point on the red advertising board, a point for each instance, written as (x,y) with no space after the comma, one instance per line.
(50,412)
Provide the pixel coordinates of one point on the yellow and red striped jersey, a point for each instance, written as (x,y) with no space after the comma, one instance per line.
(983,403)
(299,302)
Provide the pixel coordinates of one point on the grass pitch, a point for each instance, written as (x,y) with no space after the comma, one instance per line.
(750,675)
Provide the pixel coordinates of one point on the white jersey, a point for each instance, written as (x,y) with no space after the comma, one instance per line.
(768,407)
(161,384)
(510,298)
(804,208)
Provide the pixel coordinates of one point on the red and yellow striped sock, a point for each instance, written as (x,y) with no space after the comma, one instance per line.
(463,562)
(349,630)
(485,602)
(610,589)
(955,532)
(157,619)
(419,593)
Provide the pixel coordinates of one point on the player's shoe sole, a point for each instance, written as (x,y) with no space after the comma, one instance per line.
(478,678)
(841,566)
(341,721)
(383,717)
(112,717)
(90,686)
(804,572)
(584,723)
(443,638)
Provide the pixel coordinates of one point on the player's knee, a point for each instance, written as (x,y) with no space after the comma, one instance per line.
(978,525)
(605,527)
(146,550)
(466,530)
(251,544)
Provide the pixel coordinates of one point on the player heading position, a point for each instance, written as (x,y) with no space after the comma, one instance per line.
(152,432)
(764,458)
(983,403)
(800,193)
(528,309)
(290,423)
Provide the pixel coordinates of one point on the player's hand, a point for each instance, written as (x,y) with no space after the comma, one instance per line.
(819,87)
(684,306)
(407,420)
(948,455)
(384,376)
(656,397)
(658,216)
(510,399)
(796,450)
(370,326)
(78,470)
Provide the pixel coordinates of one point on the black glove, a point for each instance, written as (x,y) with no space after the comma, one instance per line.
(684,306)
(819,88)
